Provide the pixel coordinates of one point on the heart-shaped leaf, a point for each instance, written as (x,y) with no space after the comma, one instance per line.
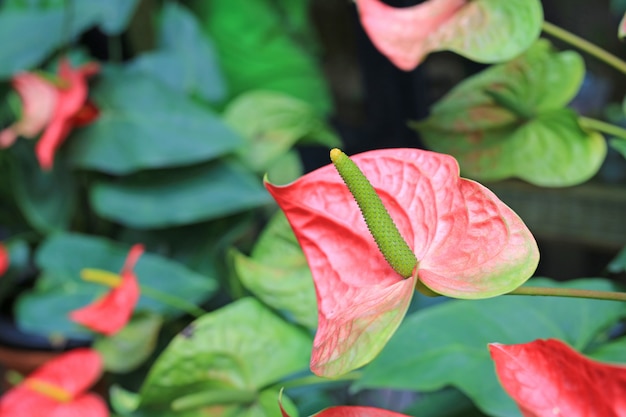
(446,345)
(278,274)
(144,124)
(468,244)
(548,378)
(239,349)
(481,30)
(181,196)
(273,123)
(509,121)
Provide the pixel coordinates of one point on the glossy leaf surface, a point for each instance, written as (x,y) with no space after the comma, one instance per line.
(144,124)
(481,30)
(444,219)
(510,121)
(548,378)
(178,197)
(446,345)
(242,347)
(277,273)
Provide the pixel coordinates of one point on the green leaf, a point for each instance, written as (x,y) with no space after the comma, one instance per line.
(618,264)
(278,274)
(185,59)
(143,124)
(259,48)
(509,121)
(242,346)
(131,346)
(446,345)
(60,289)
(115,15)
(46,198)
(619,144)
(273,123)
(613,351)
(179,197)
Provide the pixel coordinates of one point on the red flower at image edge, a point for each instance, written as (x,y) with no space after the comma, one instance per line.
(468,243)
(547,378)
(58,389)
(72,109)
(109,314)
(4,259)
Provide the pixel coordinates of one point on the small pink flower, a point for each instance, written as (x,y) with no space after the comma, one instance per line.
(39,99)
(109,314)
(69,111)
(58,389)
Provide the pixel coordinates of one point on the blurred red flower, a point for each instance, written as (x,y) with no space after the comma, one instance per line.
(58,389)
(109,314)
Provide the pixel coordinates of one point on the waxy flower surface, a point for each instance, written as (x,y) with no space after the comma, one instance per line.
(467,242)
(547,378)
(109,314)
(39,98)
(58,389)
(72,109)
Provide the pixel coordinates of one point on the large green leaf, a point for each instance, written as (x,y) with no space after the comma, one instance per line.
(144,124)
(60,288)
(277,273)
(240,348)
(510,121)
(42,27)
(273,123)
(185,58)
(46,198)
(179,197)
(260,48)
(447,344)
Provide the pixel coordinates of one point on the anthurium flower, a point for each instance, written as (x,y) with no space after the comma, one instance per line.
(109,314)
(482,30)
(4,259)
(39,99)
(548,378)
(72,109)
(346,411)
(468,244)
(58,389)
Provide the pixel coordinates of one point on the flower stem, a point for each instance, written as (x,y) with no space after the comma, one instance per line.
(172,300)
(600,126)
(584,45)
(570,292)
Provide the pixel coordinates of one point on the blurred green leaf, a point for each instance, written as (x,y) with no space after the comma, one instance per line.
(260,48)
(277,273)
(273,123)
(143,124)
(618,264)
(46,198)
(43,27)
(448,402)
(179,197)
(185,58)
(613,351)
(60,289)
(241,347)
(131,346)
(446,345)
(619,145)
(510,121)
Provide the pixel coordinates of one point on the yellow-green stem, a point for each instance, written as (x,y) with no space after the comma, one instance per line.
(584,45)
(604,127)
(570,292)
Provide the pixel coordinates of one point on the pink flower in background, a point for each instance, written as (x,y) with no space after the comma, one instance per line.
(39,99)
(109,314)
(406,35)
(72,109)
(58,389)
(4,259)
